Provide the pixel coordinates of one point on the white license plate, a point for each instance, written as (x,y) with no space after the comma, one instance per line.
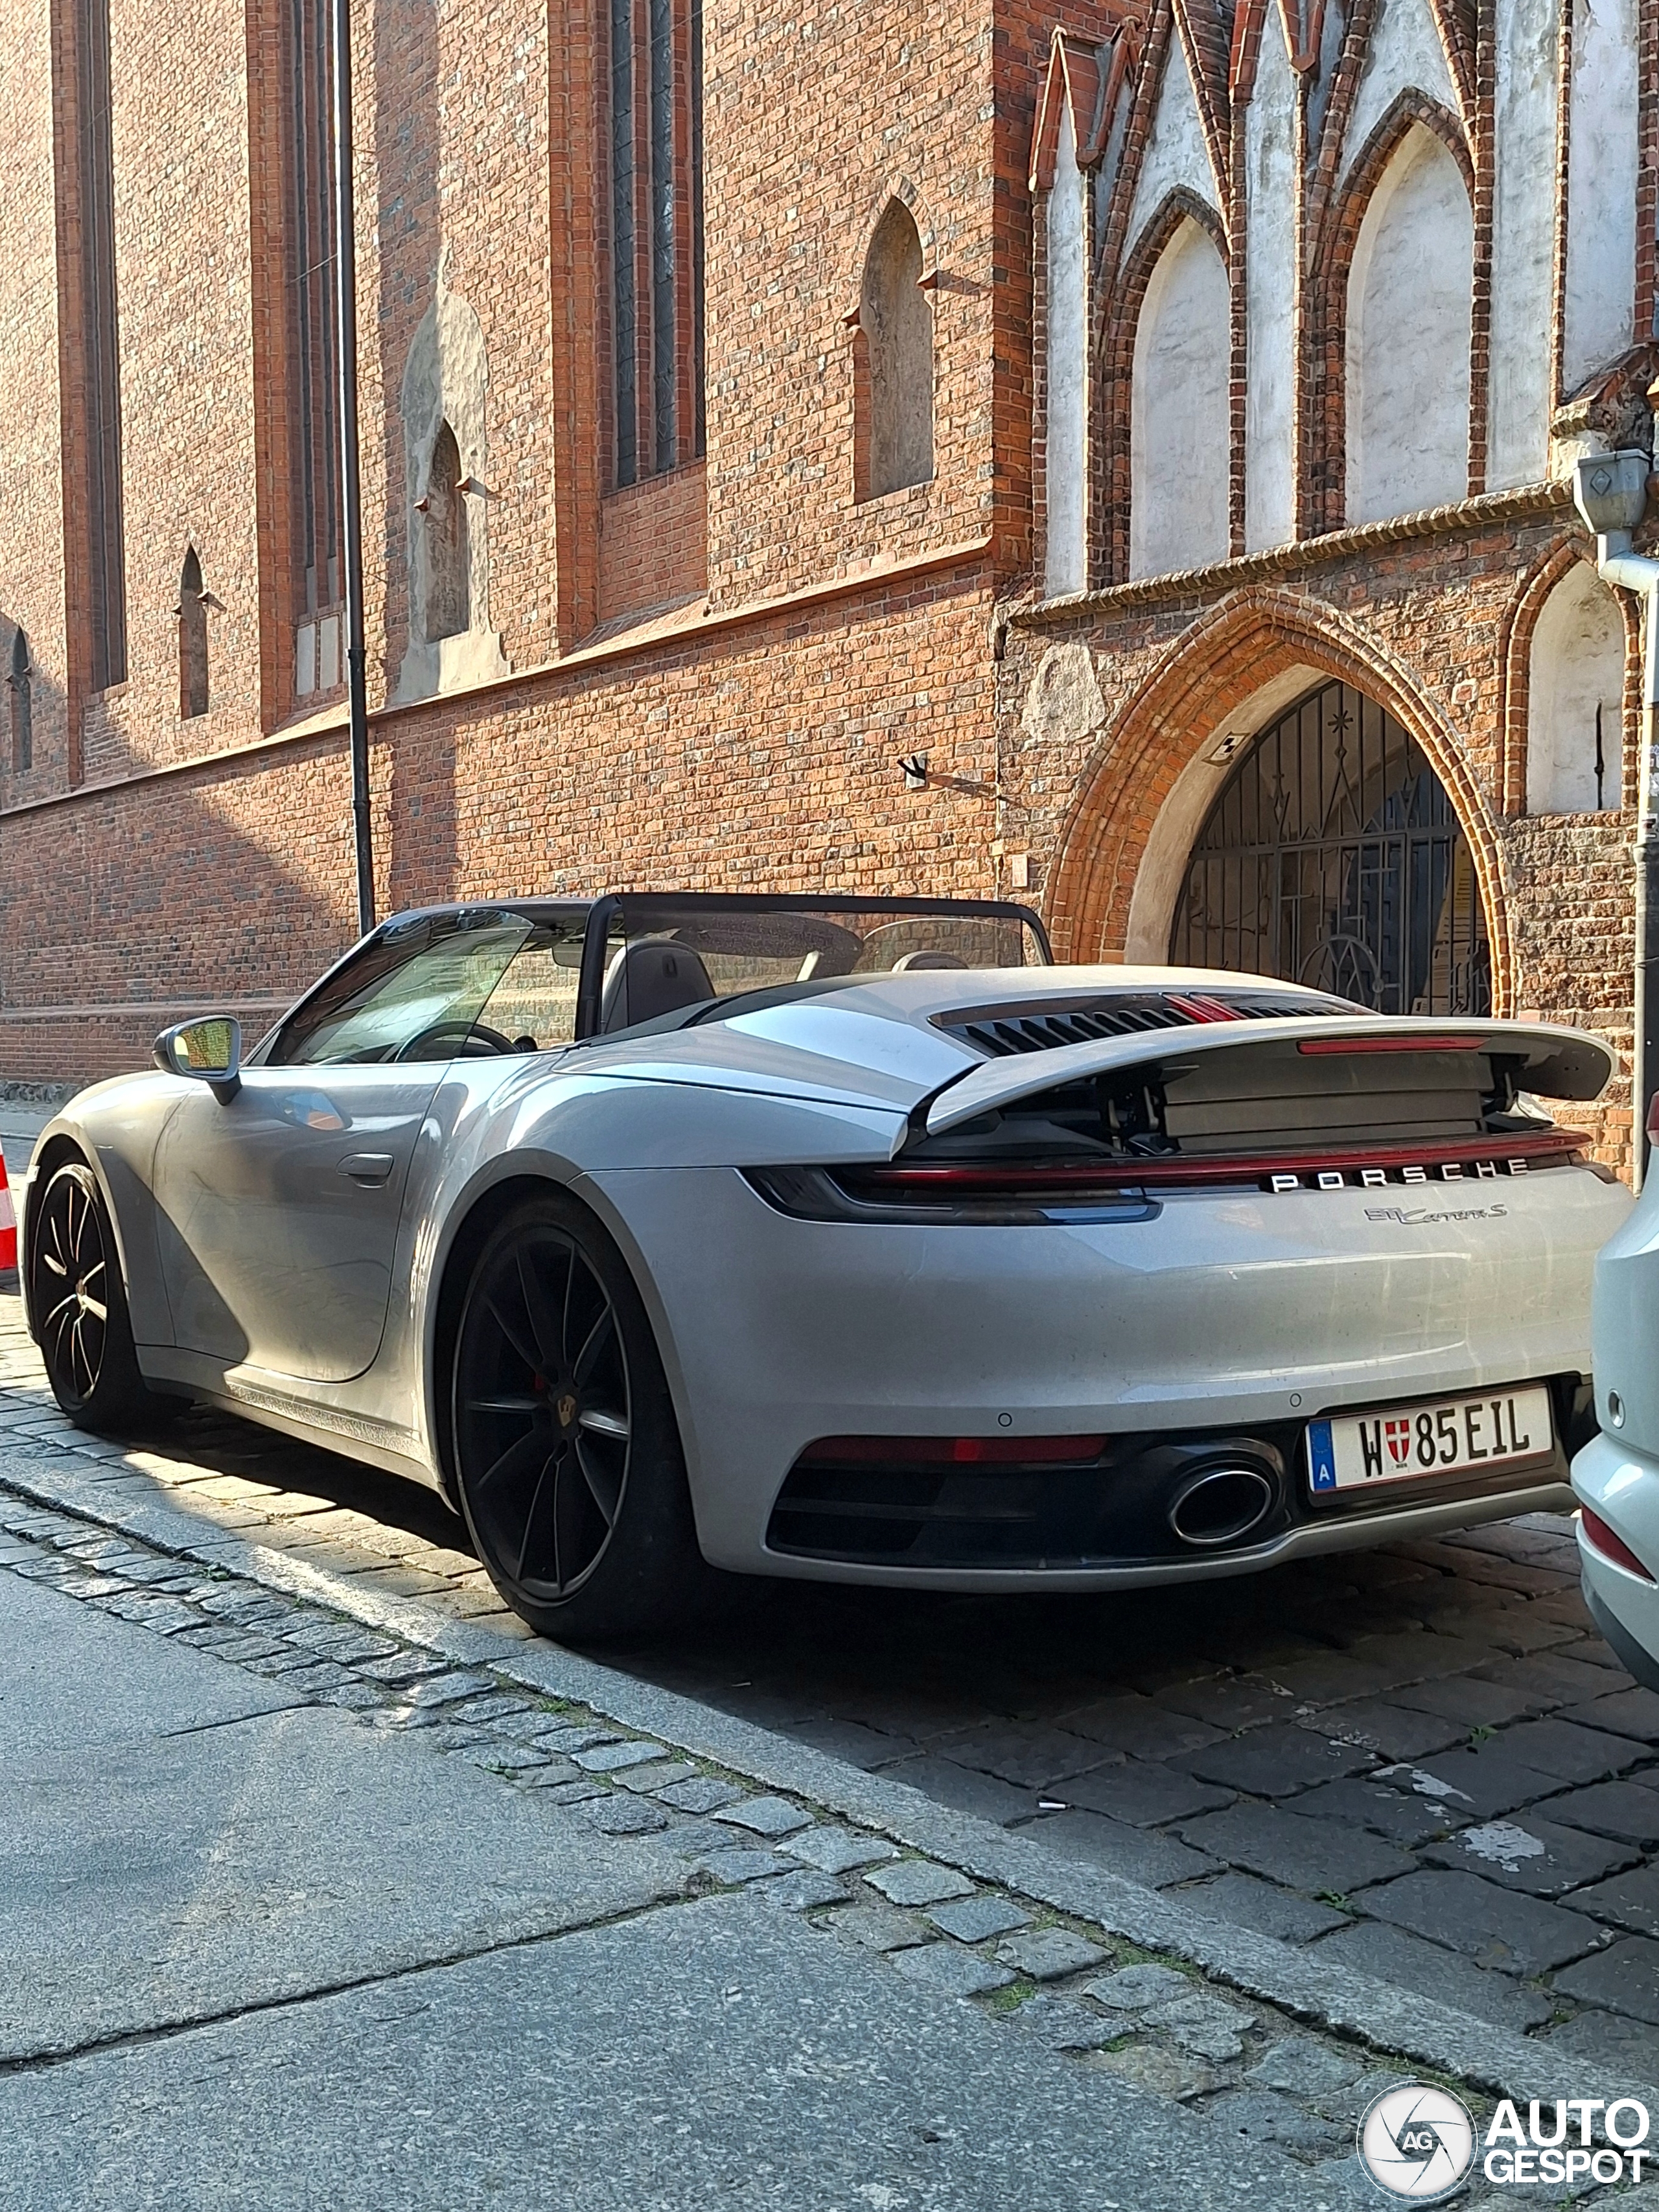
(1410,1443)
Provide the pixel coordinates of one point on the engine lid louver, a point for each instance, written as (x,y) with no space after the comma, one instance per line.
(1043,1030)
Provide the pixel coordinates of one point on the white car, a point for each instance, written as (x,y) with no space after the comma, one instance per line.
(1616,1475)
(846,1240)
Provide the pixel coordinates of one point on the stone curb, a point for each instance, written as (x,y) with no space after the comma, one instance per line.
(1391,2019)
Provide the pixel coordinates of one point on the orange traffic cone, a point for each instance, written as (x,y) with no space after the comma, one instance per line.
(8,1222)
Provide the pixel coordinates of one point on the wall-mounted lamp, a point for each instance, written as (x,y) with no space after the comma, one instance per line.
(915,766)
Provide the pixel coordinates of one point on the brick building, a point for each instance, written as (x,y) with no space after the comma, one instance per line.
(1153,411)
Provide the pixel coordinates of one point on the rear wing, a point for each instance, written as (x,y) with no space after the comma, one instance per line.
(1550,1062)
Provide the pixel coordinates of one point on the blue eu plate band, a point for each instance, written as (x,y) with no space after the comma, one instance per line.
(1322,1456)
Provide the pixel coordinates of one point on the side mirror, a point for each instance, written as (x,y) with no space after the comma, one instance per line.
(209,1049)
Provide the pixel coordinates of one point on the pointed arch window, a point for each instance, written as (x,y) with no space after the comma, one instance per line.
(894,352)
(312,346)
(654,130)
(21,682)
(104,534)
(449,552)
(192,640)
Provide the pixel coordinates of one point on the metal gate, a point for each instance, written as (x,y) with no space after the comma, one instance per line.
(1334,857)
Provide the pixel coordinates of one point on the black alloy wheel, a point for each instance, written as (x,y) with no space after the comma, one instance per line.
(567,1451)
(79,1304)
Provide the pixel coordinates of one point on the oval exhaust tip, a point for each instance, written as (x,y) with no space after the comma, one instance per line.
(1220,1505)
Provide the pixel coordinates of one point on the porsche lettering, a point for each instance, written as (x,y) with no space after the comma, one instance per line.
(1381,1178)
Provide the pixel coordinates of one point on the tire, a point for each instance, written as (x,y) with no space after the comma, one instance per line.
(79,1301)
(567,1459)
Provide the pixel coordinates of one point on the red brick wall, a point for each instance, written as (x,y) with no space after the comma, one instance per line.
(763,755)
(179,141)
(654,543)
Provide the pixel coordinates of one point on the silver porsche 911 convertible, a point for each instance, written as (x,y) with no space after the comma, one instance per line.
(845,1240)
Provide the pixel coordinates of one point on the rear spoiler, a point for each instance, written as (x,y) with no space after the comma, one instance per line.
(1555,1063)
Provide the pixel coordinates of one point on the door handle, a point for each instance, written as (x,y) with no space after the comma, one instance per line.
(368,1168)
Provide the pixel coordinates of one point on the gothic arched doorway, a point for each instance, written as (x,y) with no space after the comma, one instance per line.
(1333,856)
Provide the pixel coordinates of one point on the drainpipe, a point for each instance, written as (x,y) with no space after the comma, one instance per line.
(1611,491)
(351,500)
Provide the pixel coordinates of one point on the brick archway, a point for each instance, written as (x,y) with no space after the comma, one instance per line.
(1228,658)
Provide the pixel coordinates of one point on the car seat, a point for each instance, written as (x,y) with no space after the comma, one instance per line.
(652,976)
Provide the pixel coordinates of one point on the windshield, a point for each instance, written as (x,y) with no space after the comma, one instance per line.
(412,993)
(665,956)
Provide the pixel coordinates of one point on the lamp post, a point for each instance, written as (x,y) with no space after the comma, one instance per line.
(1611,491)
(351,500)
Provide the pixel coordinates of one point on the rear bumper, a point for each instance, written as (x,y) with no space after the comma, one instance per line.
(1240,1312)
(1354,1533)
(1622,1486)
(1143,1504)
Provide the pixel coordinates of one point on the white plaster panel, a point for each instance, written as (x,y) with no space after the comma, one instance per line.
(1405,55)
(1064,701)
(1602,156)
(1409,297)
(1576,673)
(1066,553)
(1270,295)
(1523,243)
(1175,151)
(1179,420)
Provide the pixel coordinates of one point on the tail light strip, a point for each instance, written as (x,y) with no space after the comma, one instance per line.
(1541,1147)
(1315,1047)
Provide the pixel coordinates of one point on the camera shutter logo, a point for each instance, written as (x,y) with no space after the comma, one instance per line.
(1417,2143)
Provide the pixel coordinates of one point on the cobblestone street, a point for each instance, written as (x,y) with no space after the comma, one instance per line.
(1420,1762)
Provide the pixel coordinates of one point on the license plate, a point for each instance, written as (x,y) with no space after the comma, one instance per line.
(1410,1444)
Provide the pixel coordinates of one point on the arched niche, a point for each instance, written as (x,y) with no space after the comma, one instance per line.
(21,685)
(192,640)
(1408,327)
(1575,699)
(1065,424)
(1180,409)
(443,400)
(894,352)
(445,542)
